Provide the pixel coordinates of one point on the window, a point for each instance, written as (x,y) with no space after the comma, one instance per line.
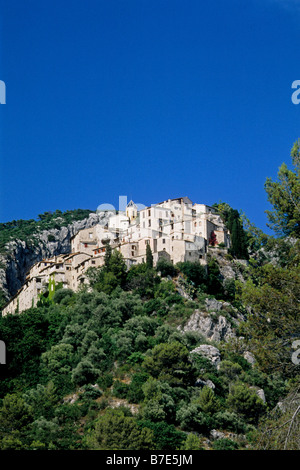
(164,240)
(149,212)
(90,235)
(93,262)
(149,223)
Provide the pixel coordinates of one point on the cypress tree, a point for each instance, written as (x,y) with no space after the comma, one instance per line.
(149,257)
(107,256)
(238,235)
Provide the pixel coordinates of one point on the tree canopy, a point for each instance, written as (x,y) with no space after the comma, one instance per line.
(284,196)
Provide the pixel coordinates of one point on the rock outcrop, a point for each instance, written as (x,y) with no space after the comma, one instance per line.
(209,352)
(210,323)
(214,330)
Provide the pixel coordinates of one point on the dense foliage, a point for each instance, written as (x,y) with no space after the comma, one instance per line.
(72,359)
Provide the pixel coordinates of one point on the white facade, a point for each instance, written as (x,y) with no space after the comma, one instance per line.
(175,229)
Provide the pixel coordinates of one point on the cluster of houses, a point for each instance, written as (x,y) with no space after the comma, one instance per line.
(176,230)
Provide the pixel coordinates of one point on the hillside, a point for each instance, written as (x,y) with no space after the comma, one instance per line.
(176,355)
(168,357)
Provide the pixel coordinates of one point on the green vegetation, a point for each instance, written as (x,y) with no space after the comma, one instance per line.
(26,229)
(108,368)
(238,235)
(120,342)
(284,195)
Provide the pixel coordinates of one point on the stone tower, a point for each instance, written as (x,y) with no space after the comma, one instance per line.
(131,211)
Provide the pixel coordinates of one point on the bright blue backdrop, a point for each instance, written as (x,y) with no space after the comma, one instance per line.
(146,98)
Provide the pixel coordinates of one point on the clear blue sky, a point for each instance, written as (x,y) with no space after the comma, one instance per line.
(146,98)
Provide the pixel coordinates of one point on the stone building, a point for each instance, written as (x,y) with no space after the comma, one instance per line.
(176,229)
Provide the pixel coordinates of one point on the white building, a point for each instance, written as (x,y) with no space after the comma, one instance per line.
(175,229)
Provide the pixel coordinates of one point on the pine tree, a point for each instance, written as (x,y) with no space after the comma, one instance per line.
(284,196)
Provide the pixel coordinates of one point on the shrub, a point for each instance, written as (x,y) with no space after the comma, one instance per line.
(91,393)
(194,271)
(120,389)
(165,435)
(166,268)
(192,443)
(225,444)
(246,402)
(85,373)
(192,418)
(115,431)
(105,381)
(170,362)
(229,421)
(135,392)
(62,296)
(207,400)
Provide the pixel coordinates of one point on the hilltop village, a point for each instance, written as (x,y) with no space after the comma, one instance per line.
(176,229)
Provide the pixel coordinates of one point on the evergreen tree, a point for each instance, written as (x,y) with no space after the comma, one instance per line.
(214,284)
(107,256)
(234,223)
(115,431)
(284,196)
(149,257)
(238,236)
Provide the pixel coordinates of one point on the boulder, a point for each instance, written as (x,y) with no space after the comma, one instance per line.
(214,434)
(210,352)
(249,357)
(213,304)
(215,330)
(205,383)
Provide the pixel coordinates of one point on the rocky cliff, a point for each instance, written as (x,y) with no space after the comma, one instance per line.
(20,255)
